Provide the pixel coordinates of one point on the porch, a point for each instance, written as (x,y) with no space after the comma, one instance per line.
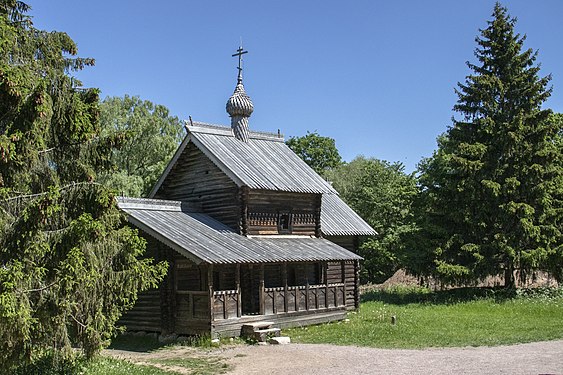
(280,293)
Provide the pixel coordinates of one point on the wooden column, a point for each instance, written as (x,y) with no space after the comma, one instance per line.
(243,222)
(343,280)
(357,284)
(167,291)
(284,279)
(318,202)
(210,286)
(239,299)
(261,294)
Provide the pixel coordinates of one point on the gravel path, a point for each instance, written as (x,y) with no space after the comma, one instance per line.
(534,358)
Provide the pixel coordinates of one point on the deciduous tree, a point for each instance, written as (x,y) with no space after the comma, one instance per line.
(151,137)
(319,152)
(382,194)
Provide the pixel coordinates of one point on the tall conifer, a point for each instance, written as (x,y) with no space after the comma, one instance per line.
(68,267)
(492,189)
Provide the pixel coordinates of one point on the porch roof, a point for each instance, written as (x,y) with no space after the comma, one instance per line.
(205,240)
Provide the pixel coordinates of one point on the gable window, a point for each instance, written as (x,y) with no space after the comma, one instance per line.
(284,222)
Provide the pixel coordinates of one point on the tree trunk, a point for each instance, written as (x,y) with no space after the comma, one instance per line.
(509,282)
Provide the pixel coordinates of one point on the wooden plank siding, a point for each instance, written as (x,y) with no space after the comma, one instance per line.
(198,299)
(348,242)
(194,179)
(265,207)
(146,314)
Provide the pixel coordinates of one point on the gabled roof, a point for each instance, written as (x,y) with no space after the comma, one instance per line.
(264,162)
(202,239)
(338,219)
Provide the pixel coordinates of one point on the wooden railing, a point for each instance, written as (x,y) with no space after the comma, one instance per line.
(303,298)
(226,304)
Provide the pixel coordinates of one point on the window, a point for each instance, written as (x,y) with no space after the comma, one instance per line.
(284,222)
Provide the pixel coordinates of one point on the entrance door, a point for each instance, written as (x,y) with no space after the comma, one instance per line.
(249,288)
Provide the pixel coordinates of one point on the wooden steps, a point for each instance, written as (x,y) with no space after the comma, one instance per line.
(260,331)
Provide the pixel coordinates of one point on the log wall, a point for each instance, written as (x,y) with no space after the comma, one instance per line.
(196,180)
(146,314)
(266,208)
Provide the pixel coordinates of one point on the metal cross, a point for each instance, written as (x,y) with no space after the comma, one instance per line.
(239,53)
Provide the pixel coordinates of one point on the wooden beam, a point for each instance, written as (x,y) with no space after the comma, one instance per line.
(210,286)
(261,294)
(243,227)
(318,229)
(357,284)
(239,299)
(284,280)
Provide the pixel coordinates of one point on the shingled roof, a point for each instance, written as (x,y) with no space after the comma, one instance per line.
(264,162)
(203,239)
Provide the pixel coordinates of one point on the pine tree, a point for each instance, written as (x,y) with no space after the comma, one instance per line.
(493,188)
(68,266)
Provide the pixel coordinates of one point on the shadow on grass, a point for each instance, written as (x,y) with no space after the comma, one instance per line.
(133,343)
(407,295)
(146,343)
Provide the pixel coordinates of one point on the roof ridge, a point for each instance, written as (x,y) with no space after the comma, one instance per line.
(148,204)
(195,126)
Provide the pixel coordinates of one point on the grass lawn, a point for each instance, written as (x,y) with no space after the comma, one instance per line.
(195,366)
(462,317)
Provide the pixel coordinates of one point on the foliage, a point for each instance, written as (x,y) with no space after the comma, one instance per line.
(456,318)
(491,193)
(152,136)
(68,268)
(319,152)
(381,193)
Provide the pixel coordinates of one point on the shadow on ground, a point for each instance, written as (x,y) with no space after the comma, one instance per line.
(404,296)
(136,343)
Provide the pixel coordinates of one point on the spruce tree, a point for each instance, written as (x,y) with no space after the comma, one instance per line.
(68,265)
(492,190)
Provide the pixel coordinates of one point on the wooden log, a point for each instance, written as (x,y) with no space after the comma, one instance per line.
(357,284)
(261,290)
(210,286)
(239,300)
(284,280)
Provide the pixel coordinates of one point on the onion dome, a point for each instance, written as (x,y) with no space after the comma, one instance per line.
(239,104)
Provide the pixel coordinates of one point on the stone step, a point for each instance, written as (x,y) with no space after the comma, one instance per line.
(281,340)
(257,325)
(262,335)
(248,329)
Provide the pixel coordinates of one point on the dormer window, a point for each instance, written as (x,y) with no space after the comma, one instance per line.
(284,222)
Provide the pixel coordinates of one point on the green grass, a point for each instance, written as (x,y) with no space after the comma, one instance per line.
(196,366)
(111,366)
(462,317)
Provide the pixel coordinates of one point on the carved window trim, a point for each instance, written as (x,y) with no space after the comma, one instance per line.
(285,222)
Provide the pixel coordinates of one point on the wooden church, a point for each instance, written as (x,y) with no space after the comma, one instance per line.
(251,233)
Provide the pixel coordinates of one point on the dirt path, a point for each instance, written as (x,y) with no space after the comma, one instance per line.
(534,358)
(296,359)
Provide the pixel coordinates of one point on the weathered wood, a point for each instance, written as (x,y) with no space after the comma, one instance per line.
(266,207)
(356,284)
(232,327)
(244,210)
(196,180)
(318,201)
(239,299)
(210,286)
(261,290)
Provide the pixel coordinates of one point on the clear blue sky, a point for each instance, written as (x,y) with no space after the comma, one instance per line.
(377,76)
